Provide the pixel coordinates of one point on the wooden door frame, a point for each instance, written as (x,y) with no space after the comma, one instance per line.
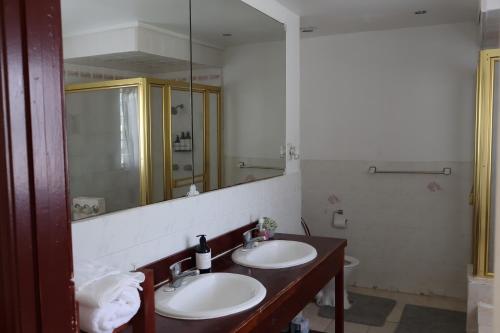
(36,291)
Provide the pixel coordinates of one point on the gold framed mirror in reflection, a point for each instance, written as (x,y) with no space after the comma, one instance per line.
(144,122)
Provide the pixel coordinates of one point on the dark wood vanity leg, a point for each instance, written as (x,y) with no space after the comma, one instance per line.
(339,298)
(144,321)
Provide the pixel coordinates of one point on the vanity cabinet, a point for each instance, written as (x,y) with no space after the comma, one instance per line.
(289,290)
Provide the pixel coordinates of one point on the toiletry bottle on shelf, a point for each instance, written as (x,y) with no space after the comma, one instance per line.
(203,256)
(177,143)
(189,145)
(183,141)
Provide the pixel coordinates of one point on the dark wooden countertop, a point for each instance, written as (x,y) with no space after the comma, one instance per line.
(282,285)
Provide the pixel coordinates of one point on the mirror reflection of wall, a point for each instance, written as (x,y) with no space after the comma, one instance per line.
(252,77)
(136,132)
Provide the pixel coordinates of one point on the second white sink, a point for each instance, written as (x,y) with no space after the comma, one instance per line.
(275,254)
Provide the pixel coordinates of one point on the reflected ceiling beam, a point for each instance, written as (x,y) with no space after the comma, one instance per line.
(141,38)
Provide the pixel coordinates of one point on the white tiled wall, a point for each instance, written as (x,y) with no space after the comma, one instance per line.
(478,290)
(412,233)
(138,236)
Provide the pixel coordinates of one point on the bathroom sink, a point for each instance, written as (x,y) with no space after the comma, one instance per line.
(275,254)
(208,296)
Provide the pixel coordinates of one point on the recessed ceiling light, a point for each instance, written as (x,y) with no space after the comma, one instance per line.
(420,12)
(308,29)
(227,34)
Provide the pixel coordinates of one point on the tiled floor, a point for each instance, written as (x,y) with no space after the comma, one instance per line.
(327,325)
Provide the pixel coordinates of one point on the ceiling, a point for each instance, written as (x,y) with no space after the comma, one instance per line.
(344,16)
(210,19)
(490,29)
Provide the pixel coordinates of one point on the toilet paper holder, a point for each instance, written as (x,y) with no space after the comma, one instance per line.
(339,224)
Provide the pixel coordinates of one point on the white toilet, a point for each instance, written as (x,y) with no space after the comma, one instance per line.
(327,295)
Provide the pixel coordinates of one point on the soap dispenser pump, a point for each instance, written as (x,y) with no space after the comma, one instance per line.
(203,256)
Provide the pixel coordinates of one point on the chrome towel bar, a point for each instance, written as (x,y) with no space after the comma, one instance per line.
(242,165)
(445,171)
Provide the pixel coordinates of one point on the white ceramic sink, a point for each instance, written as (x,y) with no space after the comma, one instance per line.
(275,254)
(210,295)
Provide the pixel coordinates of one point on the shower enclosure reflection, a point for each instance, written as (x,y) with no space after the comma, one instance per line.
(144,145)
(103,150)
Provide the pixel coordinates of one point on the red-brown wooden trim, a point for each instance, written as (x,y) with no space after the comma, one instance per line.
(53,233)
(18,308)
(339,297)
(144,321)
(36,292)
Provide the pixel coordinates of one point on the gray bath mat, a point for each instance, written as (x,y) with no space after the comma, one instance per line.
(366,310)
(418,319)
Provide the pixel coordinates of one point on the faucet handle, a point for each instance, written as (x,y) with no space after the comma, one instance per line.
(176,268)
(247,235)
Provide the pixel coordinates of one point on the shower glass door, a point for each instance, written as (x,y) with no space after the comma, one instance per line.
(495,68)
(486,179)
(104,154)
(199,148)
(181,136)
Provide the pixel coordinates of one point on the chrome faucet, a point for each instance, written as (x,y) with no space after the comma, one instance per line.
(178,275)
(248,241)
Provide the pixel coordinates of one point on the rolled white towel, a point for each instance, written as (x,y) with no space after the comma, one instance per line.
(108,289)
(112,315)
(87,271)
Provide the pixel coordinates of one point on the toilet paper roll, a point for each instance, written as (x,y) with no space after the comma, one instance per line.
(339,220)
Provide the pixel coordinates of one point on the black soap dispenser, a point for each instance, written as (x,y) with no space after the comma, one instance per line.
(203,256)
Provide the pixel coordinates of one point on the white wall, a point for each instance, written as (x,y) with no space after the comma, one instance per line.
(398,99)
(135,237)
(141,235)
(487,5)
(399,95)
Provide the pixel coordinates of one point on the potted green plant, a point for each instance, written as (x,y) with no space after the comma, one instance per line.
(269,225)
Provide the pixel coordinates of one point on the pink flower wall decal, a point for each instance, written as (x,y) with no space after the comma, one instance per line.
(434,187)
(250,178)
(333,199)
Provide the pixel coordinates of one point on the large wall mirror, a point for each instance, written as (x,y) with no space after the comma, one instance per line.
(161,95)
